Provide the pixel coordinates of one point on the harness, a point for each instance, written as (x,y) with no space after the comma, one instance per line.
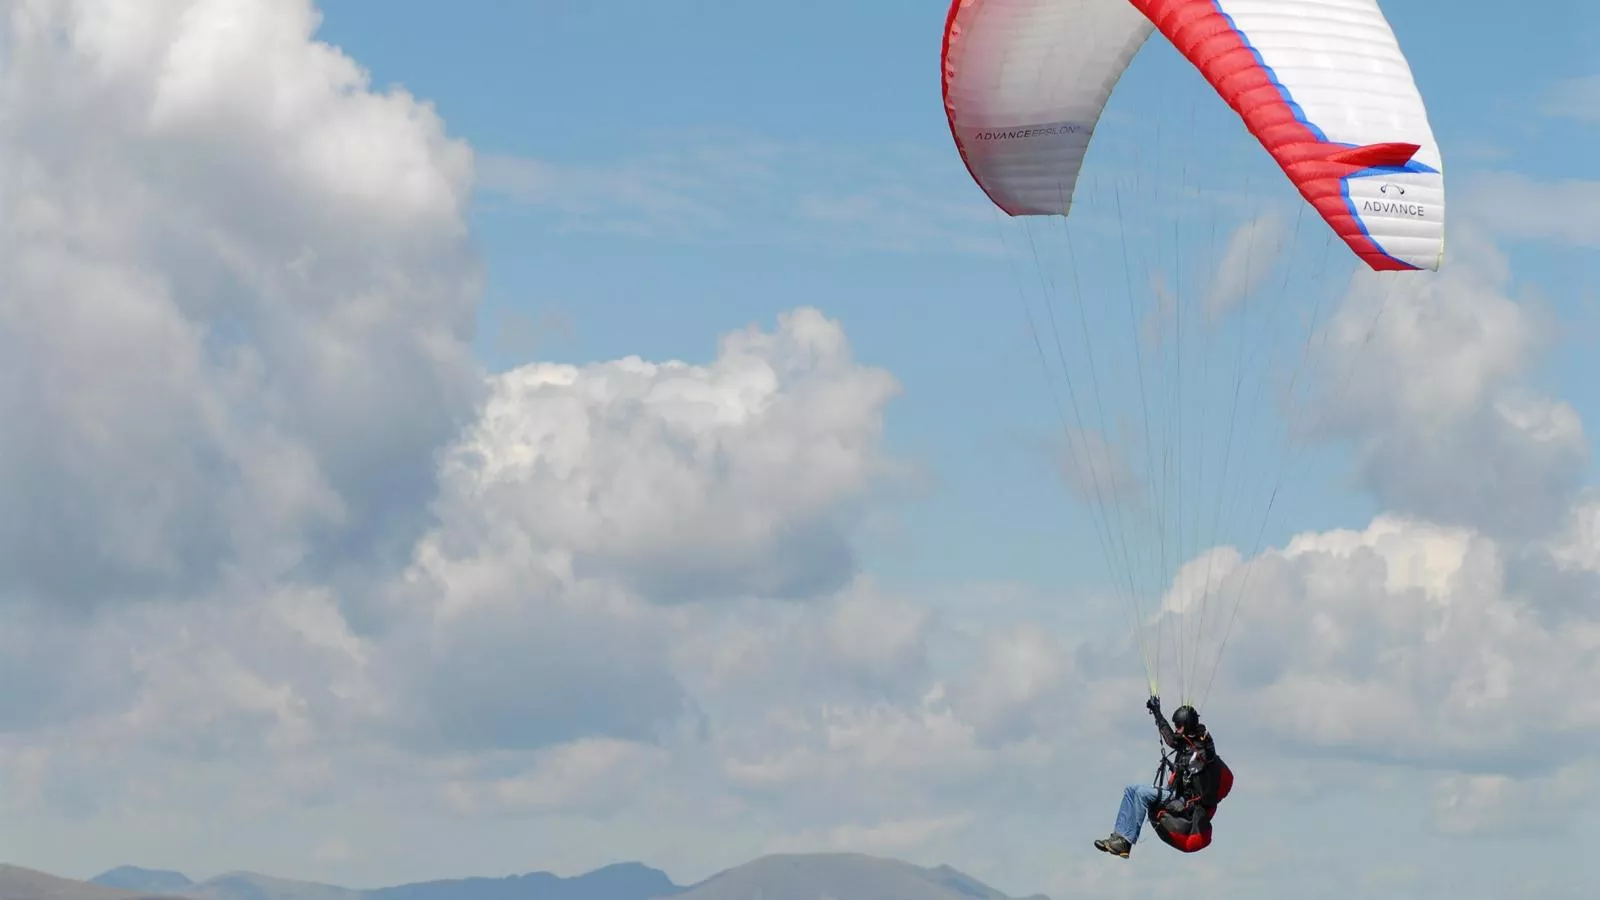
(1171,772)
(1181,822)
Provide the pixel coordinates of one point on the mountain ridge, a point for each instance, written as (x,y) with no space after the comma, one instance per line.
(778,876)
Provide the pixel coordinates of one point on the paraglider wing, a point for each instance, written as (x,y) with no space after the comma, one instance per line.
(1324,87)
(1025,82)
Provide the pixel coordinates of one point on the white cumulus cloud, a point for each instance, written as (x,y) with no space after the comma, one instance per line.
(1426,373)
(237,303)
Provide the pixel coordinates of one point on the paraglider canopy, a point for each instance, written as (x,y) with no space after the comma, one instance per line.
(1325,100)
(1321,84)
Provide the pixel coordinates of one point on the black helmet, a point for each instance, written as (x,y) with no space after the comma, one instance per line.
(1186,718)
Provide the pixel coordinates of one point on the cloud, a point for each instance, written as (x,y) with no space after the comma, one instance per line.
(241,318)
(497,675)
(1098,470)
(238,301)
(238,310)
(522,669)
(861,644)
(1497,805)
(1520,207)
(1023,675)
(585,497)
(590,775)
(685,482)
(1402,641)
(1251,254)
(1430,637)
(1425,373)
(883,838)
(1574,98)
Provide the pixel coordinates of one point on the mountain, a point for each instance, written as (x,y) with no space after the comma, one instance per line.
(230,886)
(622,881)
(825,876)
(17,883)
(133,878)
(814,876)
(251,886)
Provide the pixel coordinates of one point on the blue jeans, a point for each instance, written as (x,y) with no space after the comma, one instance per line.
(1136,800)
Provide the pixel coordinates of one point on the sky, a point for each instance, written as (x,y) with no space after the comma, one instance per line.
(540,435)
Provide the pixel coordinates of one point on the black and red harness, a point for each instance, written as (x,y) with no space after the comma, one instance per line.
(1182,822)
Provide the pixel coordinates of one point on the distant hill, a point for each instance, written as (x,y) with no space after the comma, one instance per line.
(813,876)
(845,876)
(621,881)
(17,883)
(133,878)
(251,886)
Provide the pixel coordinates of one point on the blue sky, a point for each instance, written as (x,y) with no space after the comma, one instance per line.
(643,87)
